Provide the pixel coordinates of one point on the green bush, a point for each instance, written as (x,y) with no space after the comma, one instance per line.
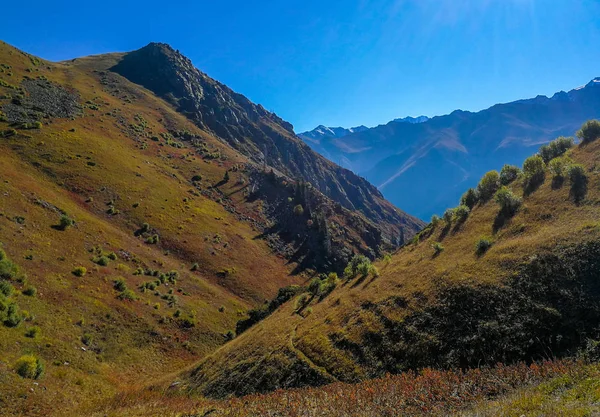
(359,264)
(112,256)
(65,222)
(28,366)
(298,210)
(101,260)
(579,181)
(6,288)
(120,285)
(556,148)
(533,168)
(33,332)
(469,198)
(488,185)
(30,291)
(127,295)
(482,246)
(589,132)
(80,271)
(153,240)
(8,269)
(87,339)
(315,286)
(197,178)
(437,248)
(558,166)
(435,219)
(508,174)
(10,314)
(448,216)
(461,213)
(508,202)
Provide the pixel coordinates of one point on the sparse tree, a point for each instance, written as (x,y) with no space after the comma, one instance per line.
(508,174)
(590,131)
(488,185)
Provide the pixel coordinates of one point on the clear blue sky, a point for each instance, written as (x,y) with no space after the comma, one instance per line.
(340,62)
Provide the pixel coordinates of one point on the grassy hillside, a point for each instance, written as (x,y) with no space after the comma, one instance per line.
(439,301)
(103,158)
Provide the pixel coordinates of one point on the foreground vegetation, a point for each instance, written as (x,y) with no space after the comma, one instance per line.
(551,387)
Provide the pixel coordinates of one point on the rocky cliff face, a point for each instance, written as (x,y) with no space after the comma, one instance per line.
(260,135)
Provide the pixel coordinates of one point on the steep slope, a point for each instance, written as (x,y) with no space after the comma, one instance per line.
(448,153)
(260,135)
(438,301)
(133,239)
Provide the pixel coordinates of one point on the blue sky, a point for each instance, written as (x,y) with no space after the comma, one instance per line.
(339,62)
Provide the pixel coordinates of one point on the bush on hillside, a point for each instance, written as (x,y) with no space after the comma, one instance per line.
(65,222)
(461,213)
(488,185)
(469,198)
(448,216)
(482,246)
(508,202)
(589,132)
(579,181)
(508,174)
(437,248)
(556,148)
(28,366)
(533,168)
(298,210)
(80,271)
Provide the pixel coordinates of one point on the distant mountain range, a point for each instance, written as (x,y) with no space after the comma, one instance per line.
(424,167)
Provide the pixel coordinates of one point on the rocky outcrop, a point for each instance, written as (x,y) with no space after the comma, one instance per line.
(260,135)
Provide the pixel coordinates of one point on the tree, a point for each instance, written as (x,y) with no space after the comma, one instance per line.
(579,181)
(65,222)
(488,185)
(559,166)
(449,215)
(509,203)
(226,176)
(508,174)
(533,168)
(556,148)
(469,198)
(461,213)
(590,131)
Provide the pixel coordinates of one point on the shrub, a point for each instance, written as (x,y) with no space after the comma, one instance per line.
(469,198)
(315,286)
(299,210)
(533,168)
(197,178)
(152,240)
(508,174)
(30,291)
(10,314)
(435,219)
(558,166)
(87,339)
(101,260)
(461,213)
(509,203)
(8,269)
(556,148)
(80,271)
(112,256)
(437,248)
(579,180)
(6,288)
(65,222)
(127,295)
(195,267)
(590,131)
(28,366)
(488,185)
(120,285)
(33,332)
(448,216)
(482,246)
(301,302)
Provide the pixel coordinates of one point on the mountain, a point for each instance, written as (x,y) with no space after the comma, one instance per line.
(425,167)
(413,120)
(509,280)
(322,132)
(258,134)
(140,219)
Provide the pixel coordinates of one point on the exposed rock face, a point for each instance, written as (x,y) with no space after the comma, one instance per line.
(261,135)
(41,99)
